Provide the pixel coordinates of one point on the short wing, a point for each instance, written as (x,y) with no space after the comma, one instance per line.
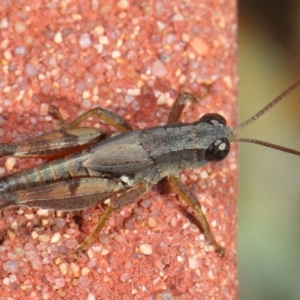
(119,155)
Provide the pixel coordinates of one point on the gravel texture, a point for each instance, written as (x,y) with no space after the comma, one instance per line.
(132,57)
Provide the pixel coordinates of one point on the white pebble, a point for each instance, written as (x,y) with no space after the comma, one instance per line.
(90,297)
(20,27)
(85,41)
(103,40)
(30,70)
(193,263)
(123,4)
(55,238)
(63,268)
(115,54)
(44,238)
(134,92)
(3,23)
(99,30)
(10,163)
(43,212)
(146,249)
(58,38)
(158,69)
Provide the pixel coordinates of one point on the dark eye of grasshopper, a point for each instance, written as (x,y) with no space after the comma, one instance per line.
(218,150)
(213,119)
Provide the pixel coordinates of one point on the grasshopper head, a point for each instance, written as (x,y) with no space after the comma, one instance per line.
(214,138)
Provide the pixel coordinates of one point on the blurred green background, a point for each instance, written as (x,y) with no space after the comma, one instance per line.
(269,200)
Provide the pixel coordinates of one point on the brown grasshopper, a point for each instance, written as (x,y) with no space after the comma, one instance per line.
(121,168)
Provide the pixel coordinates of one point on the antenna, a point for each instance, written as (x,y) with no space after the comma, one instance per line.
(262,112)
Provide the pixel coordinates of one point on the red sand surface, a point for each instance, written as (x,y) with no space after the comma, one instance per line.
(132,57)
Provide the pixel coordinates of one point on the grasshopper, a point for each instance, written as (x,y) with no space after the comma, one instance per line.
(121,168)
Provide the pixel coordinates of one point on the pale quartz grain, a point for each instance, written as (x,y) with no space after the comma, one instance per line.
(10,266)
(11,235)
(90,296)
(34,235)
(134,291)
(71,243)
(146,249)
(204,174)
(104,252)
(152,222)
(211,275)
(99,30)
(193,262)
(74,269)
(165,295)
(178,17)
(86,94)
(84,281)
(185,37)
(161,100)
(44,222)
(95,4)
(30,70)
(55,238)
(37,264)
(13,278)
(20,27)
(199,46)
(103,40)
(76,17)
(10,163)
(158,69)
(44,238)
(179,259)
(116,54)
(125,277)
(134,92)
(160,25)
(228,81)
(57,261)
(59,282)
(7,55)
(4,23)
(42,212)
(122,4)
(182,79)
(14,225)
(99,48)
(84,271)
(90,253)
(85,41)
(12,256)
(58,38)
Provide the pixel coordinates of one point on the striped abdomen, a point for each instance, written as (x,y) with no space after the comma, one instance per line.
(59,169)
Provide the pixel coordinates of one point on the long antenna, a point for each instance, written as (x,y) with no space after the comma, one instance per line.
(269,145)
(259,114)
(268,106)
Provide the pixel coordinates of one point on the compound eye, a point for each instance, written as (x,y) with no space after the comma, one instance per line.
(218,150)
(213,119)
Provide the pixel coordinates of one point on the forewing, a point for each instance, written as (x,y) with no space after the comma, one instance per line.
(122,154)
